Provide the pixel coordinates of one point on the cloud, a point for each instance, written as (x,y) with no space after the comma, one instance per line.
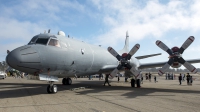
(14,29)
(152,19)
(20,21)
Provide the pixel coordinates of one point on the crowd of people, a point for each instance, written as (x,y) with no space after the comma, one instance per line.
(17,74)
(188,78)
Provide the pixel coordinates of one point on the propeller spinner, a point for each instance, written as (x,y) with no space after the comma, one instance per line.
(124,60)
(175,57)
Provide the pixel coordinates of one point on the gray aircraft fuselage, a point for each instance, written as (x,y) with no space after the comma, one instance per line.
(69,58)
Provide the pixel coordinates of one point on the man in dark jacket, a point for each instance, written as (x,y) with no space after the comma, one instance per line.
(188,78)
(106,79)
(180,79)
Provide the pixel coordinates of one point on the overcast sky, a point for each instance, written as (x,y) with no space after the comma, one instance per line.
(104,22)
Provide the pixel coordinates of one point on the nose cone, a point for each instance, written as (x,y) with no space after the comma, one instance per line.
(24,59)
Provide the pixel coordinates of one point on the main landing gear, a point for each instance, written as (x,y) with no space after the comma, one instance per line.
(137,82)
(51,88)
(67,81)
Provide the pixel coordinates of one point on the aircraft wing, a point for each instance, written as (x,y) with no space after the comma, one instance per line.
(151,65)
(147,56)
(160,64)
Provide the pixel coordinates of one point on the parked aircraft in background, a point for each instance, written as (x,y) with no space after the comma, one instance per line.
(50,56)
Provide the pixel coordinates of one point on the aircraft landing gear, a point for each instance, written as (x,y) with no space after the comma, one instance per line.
(137,82)
(132,82)
(51,88)
(67,81)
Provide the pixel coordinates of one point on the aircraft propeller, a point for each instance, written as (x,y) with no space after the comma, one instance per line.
(175,55)
(124,60)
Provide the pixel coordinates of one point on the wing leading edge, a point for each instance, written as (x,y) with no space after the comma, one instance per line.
(147,56)
(160,64)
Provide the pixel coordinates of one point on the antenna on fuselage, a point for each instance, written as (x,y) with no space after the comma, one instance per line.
(68,36)
(61,33)
(49,30)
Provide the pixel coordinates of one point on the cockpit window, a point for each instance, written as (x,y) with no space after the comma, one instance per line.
(33,40)
(54,42)
(42,41)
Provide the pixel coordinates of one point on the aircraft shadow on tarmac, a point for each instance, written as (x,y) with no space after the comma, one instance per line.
(14,90)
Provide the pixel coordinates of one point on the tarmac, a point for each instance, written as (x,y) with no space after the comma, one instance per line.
(22,95)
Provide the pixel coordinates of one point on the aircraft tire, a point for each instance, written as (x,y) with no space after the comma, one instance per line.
(48,89)
(64,81)
(132,82)
(138,82)
(54,89)
(69,81)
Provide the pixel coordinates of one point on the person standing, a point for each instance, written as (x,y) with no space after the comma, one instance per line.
(146,76)
(191,80)
(149,77)
(142,80)
(106,80)
(155,79)
(188,78)
(168,76)
(183,77)
(180,79)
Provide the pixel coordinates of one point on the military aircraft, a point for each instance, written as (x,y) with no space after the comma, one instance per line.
(50,57)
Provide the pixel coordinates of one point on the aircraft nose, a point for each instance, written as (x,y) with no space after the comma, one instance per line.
(24,59)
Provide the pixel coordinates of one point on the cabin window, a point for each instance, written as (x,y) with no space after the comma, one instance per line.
(54,42)
(42,41)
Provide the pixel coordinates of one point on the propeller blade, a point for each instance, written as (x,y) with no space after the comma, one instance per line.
(165,67)
(163,47)
(187,65)
(115,71)
(133,51)
(186,44)
(133,70)
(114,53)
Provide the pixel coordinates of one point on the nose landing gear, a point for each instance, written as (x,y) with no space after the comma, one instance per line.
(51,88)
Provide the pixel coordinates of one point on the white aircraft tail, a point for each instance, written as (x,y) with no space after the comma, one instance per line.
(126,46)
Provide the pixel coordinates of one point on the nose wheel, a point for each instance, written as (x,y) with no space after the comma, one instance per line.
(51,88)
